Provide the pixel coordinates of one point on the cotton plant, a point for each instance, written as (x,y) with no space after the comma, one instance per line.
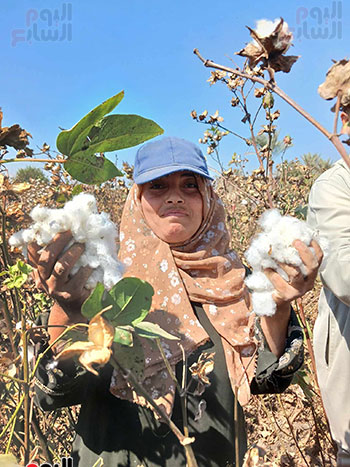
(88,226)
(271,247)
(270,41)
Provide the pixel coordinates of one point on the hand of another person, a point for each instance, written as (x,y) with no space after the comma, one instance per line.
(52,271)
(298,283)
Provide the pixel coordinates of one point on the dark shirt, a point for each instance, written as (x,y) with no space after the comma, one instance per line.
(124,434)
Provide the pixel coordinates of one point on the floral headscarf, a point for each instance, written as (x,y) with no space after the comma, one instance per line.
(204,270)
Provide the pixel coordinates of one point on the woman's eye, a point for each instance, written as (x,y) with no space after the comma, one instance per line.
(157,186)
(191,185)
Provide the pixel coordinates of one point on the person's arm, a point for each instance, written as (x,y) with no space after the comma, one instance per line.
(329,212)
(273,374)
(52,267)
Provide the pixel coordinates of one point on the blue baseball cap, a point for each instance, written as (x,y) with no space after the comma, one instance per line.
(167,155)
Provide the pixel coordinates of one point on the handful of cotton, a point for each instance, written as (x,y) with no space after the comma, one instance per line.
(81,217)
(272,246)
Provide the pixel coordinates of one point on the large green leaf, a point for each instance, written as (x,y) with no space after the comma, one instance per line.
(130,298)
(133,298)
(97,301)
(91,169)
(93,304)
(67,138)
(152,331)
(116,132)
(130,358)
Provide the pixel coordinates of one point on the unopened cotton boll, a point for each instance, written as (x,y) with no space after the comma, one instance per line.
(271,247)
(96,231)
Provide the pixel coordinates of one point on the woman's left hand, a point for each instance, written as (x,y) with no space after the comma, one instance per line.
(298,283)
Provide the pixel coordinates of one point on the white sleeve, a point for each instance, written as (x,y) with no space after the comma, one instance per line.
(329,212)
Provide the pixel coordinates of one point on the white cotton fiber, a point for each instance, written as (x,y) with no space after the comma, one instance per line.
(81,217)
(272,246)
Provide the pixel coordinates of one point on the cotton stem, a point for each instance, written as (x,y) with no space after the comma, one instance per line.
(128,375)
(273,87)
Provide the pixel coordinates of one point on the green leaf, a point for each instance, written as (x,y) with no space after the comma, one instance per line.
(24,267)
(93,304)
(18,274)
(117,132)
(301,211)
(76,190)
(152,331)
(133,298)
(67,138)
(91,169)
(130,358)
(123,336)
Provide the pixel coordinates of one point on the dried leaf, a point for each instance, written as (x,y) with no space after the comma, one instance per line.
(14,136)
(21,187)
(254,457)
(96,355)
(253,52)
(283,63)
(97,350)
(74,349)
(101,332)
(337,80)
(271,40)
(203,367)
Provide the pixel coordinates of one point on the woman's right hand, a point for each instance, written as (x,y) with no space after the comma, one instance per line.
(52,267)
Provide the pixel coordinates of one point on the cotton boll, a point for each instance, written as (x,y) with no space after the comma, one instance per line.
(259,245)
(258,282)
(39,214)
(269,219)
(28,235)
(263,304)
(43,237)
(272,246)
(16,240)
(100,226)
(95,230)
(112,276)
(82,203)
(95,277)
(60,221)
(265,27)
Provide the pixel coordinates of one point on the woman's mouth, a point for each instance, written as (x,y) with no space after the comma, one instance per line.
(175,213)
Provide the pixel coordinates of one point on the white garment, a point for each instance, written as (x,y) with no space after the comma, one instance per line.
(329,212)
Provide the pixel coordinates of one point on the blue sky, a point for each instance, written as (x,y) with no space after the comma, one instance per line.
(146,49)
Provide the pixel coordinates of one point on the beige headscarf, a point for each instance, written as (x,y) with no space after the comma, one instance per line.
(204,270)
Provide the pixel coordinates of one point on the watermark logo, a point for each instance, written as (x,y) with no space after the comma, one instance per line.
(45,25)
(319,23)
(65,462)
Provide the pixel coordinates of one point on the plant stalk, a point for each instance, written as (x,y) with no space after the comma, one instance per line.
(191,461)
(273,87)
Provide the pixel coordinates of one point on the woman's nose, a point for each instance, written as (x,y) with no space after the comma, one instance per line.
(174,196)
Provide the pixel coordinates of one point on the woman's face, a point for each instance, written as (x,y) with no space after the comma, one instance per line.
(173,206)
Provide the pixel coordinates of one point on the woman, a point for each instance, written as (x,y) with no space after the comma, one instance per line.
(173,235)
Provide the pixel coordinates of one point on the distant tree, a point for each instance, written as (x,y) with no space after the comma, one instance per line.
(277,146)
(27,173)
(316,163)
